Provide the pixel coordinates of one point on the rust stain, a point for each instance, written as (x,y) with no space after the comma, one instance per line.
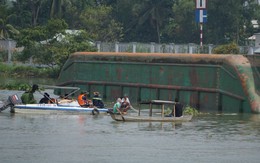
(194,77)
(119,73)
(161,70)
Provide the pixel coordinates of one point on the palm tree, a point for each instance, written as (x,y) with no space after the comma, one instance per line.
(60,7)
(6,31)
(153,11)
(56,8)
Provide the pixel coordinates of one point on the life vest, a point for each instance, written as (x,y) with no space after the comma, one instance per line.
(97,101)
(80,100)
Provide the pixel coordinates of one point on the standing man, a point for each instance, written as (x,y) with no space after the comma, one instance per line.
(178,108)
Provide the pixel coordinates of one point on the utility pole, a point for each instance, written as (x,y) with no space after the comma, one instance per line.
(201,16)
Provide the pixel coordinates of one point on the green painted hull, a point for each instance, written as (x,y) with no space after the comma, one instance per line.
(211,83)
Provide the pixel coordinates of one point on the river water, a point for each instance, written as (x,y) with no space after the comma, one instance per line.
(30,138)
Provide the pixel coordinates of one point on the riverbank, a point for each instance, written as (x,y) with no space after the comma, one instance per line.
(23,70)
(20,77)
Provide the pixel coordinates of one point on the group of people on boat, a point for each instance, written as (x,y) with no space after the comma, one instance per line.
(28,97)
(122,105)
(95,102)
(83,100)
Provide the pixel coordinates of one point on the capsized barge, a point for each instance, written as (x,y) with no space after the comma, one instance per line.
(211,83)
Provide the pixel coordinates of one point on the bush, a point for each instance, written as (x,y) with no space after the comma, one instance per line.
(3,56)
(16,86)
(4,68)
(231,48)
(188,110)
(24,71)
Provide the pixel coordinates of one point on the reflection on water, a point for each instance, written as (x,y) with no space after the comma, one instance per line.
(86,138)
(255,117)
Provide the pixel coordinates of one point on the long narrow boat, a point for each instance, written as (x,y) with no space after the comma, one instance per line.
(129,118)
(150,117)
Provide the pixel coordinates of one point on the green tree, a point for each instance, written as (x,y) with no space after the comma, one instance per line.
(21,15)
(3,8)
(229,24)
(137,20)
(30,12)
(55,53)
(7,30)
(54,27)
(181,27)
(251,11)
(99,23)
(32,38)
(73,10)
(50,45)
(151,14)
(56,8)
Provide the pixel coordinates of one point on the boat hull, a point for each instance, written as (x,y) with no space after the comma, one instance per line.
(54,108)
(128,118)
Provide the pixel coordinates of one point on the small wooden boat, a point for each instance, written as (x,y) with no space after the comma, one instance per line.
(150,117)
(129,118)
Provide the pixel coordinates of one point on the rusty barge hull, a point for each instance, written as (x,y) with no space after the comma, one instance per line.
(222,83)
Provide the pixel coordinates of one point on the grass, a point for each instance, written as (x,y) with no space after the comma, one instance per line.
(19,72)
(13,70)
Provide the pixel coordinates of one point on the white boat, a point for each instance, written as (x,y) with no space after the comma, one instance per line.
(61,106)
(56,109)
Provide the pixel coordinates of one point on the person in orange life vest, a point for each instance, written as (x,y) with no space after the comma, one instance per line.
(83,100)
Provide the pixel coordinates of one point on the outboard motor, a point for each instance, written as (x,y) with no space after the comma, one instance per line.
(12,100)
